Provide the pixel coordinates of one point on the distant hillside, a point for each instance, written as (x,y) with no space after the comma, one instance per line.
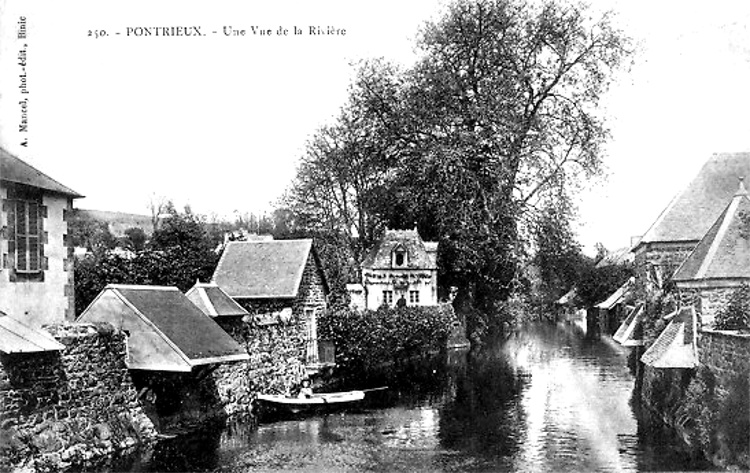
(117,222)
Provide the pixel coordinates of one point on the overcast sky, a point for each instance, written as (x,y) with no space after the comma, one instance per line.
(220,122)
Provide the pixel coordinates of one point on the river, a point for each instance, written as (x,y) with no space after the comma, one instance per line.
(546,399)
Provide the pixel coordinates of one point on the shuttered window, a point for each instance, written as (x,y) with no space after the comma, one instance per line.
(25,222)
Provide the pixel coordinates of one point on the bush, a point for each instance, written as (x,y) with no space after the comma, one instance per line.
(736,315)
(366,339)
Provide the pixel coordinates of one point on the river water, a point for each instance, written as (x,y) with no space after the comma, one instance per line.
(546,399)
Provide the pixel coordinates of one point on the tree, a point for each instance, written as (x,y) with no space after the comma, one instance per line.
(499,114)
(135,239)
(179,253)
(94,235)
(558,256)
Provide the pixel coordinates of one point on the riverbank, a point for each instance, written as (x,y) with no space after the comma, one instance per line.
(546,399)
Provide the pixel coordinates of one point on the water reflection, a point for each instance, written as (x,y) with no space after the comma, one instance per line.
(546,399)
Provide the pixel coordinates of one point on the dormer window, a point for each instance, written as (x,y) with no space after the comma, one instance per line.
(399,257)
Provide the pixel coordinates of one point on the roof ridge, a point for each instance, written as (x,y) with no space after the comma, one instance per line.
(141,287)
(64,189)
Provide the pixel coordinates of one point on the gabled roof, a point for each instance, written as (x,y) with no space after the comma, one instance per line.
(264,269)
(619,256)
(13,169)
(167,332)
(724,252)
(420,254)
(568,297)
(676,345)
(690,215)
(626,334)
(213,301)
(616,296)
(17,337)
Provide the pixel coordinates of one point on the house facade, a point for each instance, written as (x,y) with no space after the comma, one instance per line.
(281,283)
(36,266)
(400,270)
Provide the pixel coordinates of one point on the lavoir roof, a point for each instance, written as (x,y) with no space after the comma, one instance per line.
(166,331)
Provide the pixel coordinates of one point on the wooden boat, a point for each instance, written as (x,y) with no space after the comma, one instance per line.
(318,401)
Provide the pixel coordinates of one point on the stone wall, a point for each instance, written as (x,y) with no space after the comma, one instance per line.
(277,353)
(708,406)
(726,354)
(277,346)
(58,408)
(708,302)
(665,256)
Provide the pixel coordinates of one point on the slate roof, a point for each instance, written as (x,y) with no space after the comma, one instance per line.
(724,252)
(420,254)
(692,212)
(213,301)
(627,334)
(616,296)
(619,256)
(676,345)
(568,297)
(167,331)
(13,169)
(263,269)
(17,337)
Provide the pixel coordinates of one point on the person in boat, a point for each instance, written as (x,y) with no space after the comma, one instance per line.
(305,389)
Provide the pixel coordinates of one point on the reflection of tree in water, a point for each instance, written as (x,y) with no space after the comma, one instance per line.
(483,418)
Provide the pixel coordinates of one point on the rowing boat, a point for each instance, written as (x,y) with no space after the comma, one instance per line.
(315,401)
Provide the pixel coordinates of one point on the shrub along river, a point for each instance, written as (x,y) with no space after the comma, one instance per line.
(546,399)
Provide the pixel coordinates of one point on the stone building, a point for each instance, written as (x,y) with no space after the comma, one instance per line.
(720,263)
(280,282)
(36,266)
(688,217)
(400,267)
(172,351)
(214,302)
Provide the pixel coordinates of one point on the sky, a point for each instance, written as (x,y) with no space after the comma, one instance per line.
(220,122)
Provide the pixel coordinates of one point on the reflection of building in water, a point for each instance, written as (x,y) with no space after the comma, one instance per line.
(400,270)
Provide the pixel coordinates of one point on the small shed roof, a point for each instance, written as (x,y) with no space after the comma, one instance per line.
(17,337)
(420,254)
(264,269)
(724,252)
(692,212)
(167,332)
(676,345)
(627,334)
(616,296)
(568,297)
(13,169)
(213,301)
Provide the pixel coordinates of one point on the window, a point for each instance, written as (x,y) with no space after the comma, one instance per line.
(387,297)
(311,356)
(25,220)
(413,297)
(400,258)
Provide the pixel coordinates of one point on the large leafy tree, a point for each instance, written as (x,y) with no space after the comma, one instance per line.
(498,115)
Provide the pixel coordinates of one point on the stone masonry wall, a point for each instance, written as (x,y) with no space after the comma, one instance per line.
(59,408)
(277,347)
(276,361)
(727,354)
(706,301)
(667,257)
